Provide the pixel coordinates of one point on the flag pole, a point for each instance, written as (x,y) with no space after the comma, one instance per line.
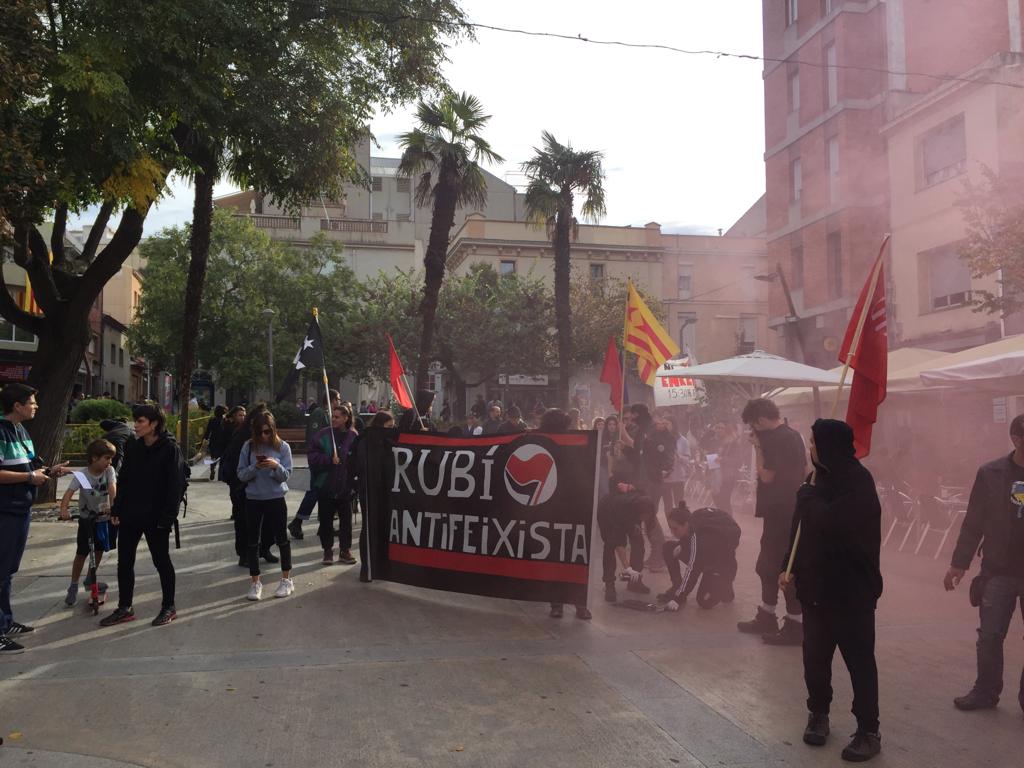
(405,380)
(622,387)
(327,391)
(854,343)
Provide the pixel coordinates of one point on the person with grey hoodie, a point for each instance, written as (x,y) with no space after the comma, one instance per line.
(264,466)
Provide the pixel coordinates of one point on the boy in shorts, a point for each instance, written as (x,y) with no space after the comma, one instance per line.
(97,488)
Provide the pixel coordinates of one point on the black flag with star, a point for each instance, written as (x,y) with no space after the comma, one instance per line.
(309,357)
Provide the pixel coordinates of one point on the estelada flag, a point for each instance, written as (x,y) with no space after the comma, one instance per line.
(645,337)
(866,346)
(398,378)
(310,356)
(611,374)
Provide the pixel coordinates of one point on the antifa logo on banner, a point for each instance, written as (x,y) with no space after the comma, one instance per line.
(502,515)
(531,476)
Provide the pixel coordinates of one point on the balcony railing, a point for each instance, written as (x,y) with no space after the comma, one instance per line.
(353,225)
(264,221)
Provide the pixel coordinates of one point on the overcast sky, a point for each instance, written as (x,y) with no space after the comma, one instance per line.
(682,135)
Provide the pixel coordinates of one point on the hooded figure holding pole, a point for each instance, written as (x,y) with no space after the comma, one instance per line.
(838,581)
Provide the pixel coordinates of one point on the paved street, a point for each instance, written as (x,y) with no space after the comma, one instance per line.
(343,674)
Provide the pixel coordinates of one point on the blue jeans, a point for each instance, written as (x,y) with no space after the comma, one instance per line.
(998,604)
(307,505)
(13,537)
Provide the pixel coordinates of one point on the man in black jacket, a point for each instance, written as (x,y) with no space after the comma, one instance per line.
(703,551)
(838,581)
(995,520)
(651,455)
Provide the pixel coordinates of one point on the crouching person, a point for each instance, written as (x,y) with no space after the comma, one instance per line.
(702,556)
(620,515)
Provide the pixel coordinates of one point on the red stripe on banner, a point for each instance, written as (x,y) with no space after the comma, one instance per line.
(412,438)
(535,570)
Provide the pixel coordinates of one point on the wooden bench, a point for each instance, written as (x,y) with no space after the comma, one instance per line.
(295,437)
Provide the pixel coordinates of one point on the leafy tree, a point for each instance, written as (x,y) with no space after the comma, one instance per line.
(598,310)
(557,173)
(993,212)
(445,151)
(104,104)
(248,273)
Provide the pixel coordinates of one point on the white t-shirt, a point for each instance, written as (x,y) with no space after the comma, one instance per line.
(91,499)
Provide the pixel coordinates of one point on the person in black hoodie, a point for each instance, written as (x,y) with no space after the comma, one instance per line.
(119,434)
(150,488)
(408,421)
(838,582)
(620,514)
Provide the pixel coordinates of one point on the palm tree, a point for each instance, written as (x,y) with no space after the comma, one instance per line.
(556,174)
(444,150)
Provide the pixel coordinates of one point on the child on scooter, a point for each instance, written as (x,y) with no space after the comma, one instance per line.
(97,488)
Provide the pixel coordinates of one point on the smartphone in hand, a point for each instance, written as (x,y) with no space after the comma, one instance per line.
(260,457)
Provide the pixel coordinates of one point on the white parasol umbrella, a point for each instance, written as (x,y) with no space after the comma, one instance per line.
(998,373)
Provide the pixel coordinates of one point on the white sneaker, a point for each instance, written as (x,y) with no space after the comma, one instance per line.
(285,588)
(255,591)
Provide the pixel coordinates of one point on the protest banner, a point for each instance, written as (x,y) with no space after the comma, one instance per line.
(501,515)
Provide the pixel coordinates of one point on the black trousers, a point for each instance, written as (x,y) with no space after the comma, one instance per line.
(239,517)
(159,543)
(329,507)
(852,630)
(635,538)
(269,515)
(717,570)
(774,545)
(998,604)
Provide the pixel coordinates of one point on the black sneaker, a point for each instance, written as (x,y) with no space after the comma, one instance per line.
(609,593)
(345,558)
(791,633)
(20,629)
(761,624)
(270,557)
(119,616)
(639,587)
(816,732)
(166,616)
(582,612)
(556,611)
(8,647)
(975,700)
(295,529)
(862,747)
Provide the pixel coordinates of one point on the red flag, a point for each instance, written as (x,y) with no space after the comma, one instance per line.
(869,358)
(398,378)
(611,374)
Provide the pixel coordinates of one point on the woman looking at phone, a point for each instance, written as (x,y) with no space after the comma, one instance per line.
(264,465)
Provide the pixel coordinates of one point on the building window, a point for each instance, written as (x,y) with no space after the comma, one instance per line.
(794,92)
(113,354)
(792,9)
(832,165)
(377,216)
(377,184)
(685,284)
(11,332)
(507,268)
(747,341)
(120,357)
(831,77)
(826,7)
(796,178)
(688,332)
(834,265)
(402,217)
(949,279)
(597,271)
(943,152)
(796,279)
(402,184)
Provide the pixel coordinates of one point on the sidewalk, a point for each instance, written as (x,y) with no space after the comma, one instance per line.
(343,673)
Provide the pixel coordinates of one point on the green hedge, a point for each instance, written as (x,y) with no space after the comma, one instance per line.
(77,436)
(99,409)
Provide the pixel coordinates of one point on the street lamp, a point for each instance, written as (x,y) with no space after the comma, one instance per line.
(268,314)
(792,319)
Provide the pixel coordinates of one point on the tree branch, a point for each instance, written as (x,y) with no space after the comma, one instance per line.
(100,225)
(39,272)
(110,259)
(15,314)
(60,225)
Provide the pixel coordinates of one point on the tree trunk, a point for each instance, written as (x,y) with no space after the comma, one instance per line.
(563,321)
(53,374)
(441,223)
(199,253)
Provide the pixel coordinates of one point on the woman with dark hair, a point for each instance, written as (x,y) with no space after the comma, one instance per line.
(149,490)
(555,421)
(611,450)
(265,465)
(214,428)
(329,467)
